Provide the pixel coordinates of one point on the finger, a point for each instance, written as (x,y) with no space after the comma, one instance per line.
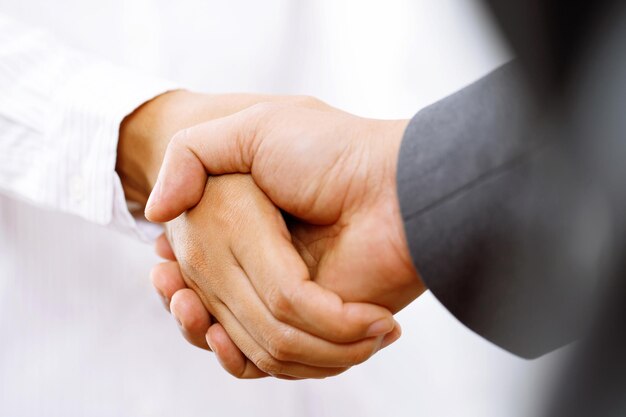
(167,279)
(188,310)
(286,343)
(163,248)
(240,114)
(193,319)
(229,355)
(392,336)
(281,278)
(260,357)
(218,147)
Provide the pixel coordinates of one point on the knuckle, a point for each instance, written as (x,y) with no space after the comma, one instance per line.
(361,354)
(263,108)
(268,365)
(281,304)
(196,324)
(308,101)
(282,345)
(179,138)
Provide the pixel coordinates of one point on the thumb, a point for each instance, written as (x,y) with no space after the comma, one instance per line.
(220,146)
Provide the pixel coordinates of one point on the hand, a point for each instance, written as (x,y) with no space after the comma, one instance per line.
(143,138)
(252,245)
(147,129)
(145,134)
(334,173)
(195,321)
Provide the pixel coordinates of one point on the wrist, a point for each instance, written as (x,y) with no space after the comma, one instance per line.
(393,137)
(388,139)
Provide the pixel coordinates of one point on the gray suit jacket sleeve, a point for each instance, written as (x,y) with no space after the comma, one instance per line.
(484,207)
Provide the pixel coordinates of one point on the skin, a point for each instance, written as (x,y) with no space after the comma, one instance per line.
(332,172)
(253,248)
(254,337)
(195,322)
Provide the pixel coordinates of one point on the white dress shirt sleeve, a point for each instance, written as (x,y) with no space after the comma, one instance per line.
(60,114)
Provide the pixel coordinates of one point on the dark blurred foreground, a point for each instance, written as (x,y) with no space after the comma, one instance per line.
(574,56)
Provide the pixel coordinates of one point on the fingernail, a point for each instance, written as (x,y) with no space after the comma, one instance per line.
(382,326)
(164,299)
(166,302)
(389,340)
(177,320)
(392,337)
(208,341)
(154,195)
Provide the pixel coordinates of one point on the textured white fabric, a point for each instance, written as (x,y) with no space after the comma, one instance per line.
(82,333)
(60,113)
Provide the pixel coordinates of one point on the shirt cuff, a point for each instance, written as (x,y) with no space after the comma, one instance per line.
(92,106)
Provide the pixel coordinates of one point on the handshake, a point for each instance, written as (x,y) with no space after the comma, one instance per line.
(285,247)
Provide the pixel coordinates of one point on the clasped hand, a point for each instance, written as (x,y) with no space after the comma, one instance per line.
(293,264)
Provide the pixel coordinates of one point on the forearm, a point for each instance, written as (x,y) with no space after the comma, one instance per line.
(486,204)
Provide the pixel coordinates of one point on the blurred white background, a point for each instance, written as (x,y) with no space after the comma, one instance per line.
(83,333)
